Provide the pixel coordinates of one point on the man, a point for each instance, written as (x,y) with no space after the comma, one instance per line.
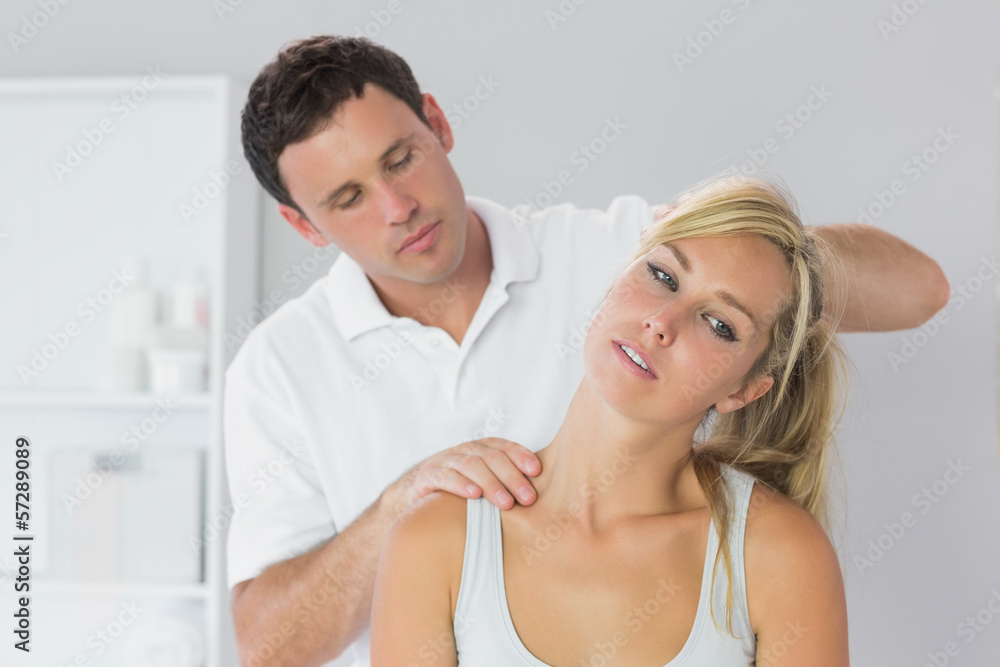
(445,320)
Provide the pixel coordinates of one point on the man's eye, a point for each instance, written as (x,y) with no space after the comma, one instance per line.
(402,163)
(350,202)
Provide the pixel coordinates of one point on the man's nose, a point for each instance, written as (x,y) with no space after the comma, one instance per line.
(397,205)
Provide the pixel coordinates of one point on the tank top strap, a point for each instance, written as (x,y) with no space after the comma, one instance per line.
(478,608)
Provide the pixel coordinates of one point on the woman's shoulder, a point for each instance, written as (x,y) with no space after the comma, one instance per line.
(430,537)
(775,520)
(787,555)
(438,518)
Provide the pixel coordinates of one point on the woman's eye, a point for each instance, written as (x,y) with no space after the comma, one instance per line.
(721,329)
(662,276)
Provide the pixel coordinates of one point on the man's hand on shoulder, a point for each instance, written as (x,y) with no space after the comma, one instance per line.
(494,468)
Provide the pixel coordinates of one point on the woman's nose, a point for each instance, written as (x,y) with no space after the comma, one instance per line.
(661,325)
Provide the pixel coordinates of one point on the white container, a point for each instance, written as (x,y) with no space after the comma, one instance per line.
(124,369)
(175,370)
(134,313)
(187,301)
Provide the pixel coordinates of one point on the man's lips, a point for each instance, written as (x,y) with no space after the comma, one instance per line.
(629,363)
(421,239)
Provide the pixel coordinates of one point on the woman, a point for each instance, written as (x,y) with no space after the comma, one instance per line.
(648,545)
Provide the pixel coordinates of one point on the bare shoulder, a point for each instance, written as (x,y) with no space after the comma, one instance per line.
(434,525)
(431,536)
(782,538)
(440,513)
(789,559)
(413,605)
(777,523)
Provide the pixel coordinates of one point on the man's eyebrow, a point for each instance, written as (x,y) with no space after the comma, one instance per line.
(393,147)
(722,294)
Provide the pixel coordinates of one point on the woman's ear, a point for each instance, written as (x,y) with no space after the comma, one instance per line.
(748,394)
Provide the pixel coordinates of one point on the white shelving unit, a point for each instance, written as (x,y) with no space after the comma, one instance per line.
(145,148)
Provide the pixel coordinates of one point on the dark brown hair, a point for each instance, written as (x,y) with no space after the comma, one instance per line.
(295,94)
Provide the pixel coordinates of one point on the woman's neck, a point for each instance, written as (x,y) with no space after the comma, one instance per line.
(603,469)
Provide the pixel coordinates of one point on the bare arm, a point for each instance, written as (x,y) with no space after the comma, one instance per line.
(417,587)
(882,283)
(307,610)
(795,590)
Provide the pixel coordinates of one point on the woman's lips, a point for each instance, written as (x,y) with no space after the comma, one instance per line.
(422,240)
(630,365)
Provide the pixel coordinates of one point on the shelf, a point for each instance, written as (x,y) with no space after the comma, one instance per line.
(119,589)
(109,401)
(174,147)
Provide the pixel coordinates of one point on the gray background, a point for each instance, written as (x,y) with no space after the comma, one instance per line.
(560,82)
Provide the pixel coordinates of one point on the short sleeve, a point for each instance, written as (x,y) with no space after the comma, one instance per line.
(277,504)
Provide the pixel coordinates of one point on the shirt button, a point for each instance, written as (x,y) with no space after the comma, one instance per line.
(435,341)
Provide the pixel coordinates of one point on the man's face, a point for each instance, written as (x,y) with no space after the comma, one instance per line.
(377,182)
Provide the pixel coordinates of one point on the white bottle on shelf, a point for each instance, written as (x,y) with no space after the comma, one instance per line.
(187,301)
(133,316)
(178,349)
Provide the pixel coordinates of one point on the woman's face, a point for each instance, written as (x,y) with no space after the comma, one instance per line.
(696,313)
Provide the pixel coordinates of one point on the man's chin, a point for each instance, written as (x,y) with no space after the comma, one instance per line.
(430,273)
(436,267)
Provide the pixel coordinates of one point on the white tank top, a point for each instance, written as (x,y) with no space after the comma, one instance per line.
(484,632)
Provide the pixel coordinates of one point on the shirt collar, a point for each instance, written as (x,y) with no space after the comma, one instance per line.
(355,304)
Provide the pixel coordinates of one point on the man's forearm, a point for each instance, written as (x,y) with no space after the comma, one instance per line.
(307,610)
(878,281)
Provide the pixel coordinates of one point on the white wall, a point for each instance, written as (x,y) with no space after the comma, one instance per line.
(890,96)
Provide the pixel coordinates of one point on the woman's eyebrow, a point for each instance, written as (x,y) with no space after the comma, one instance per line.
(731,300)
(681,257)
(725,296)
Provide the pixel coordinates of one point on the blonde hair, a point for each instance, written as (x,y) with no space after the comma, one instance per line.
(784,437)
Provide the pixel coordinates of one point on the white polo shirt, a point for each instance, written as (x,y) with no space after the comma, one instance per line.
(332,398)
